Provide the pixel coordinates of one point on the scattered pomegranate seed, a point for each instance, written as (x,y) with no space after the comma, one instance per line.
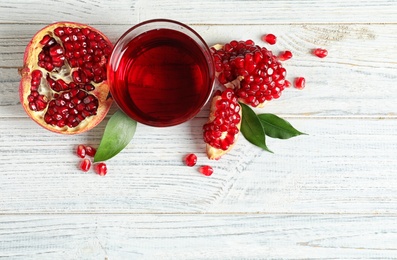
(287,84)
(85,165)
(321,53)
(300,83)
(101,169)
(285,55)
(81,151)
(191,160)
(206,170)
(90,151)
(269,38)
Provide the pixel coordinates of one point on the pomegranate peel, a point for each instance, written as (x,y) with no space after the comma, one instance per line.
(63,86)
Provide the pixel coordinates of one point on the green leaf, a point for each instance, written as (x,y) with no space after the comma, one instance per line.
(277,127)
(118,133)
(252,129)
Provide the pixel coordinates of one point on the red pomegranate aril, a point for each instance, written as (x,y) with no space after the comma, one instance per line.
(81,151)
(285,55)
(191,159)
(101,169)
(321,53)
(37,74)
(206,170)
(287,83)
(300,83)
(85,165)
(90,151)
(269,38)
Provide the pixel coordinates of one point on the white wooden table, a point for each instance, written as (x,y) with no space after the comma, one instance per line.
(329,195)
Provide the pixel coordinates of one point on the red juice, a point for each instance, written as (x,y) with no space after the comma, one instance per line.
(163,78)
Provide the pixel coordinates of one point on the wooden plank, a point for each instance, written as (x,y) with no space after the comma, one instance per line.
(218,236)
(354,80)
(201,12)
(327,171)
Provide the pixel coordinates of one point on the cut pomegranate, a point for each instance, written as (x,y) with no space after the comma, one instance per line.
(253,72)
(81,151)
(63,86)
(285,55)
(321,53)
(85,165)
(221,131)
(206,170)
(300,83)
(269,38)
(191,160)
(101,169)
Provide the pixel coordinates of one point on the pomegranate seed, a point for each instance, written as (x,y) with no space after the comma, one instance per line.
(81,151)
(269,38)
(85,165)
(90,151)
(206,170)
(300,83)
(101,169)
(287,84)
(321,53)
(191,160)
(285,55)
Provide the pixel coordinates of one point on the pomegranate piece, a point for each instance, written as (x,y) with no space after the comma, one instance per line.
(101,169)
(206,170)
(269,38)
(85,165)
(300,83)
(221,131)
(191,160)
(63,86)
(81,151)
(255,73)
(285,55)
(321,53)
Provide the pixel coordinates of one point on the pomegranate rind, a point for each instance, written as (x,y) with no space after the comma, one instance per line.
(216,153)
(30,63)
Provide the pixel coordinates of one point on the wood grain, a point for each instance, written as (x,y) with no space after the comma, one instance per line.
(200,11)
(324,172)
(331,194)
(217,236)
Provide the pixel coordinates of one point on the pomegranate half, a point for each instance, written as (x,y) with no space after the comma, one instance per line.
(63,86)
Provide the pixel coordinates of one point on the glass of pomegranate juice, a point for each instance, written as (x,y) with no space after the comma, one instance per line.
(161,73)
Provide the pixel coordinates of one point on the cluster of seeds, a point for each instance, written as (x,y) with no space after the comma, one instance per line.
(261,73)
(70,108)
(86,50)
(37,101)
(221,132)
